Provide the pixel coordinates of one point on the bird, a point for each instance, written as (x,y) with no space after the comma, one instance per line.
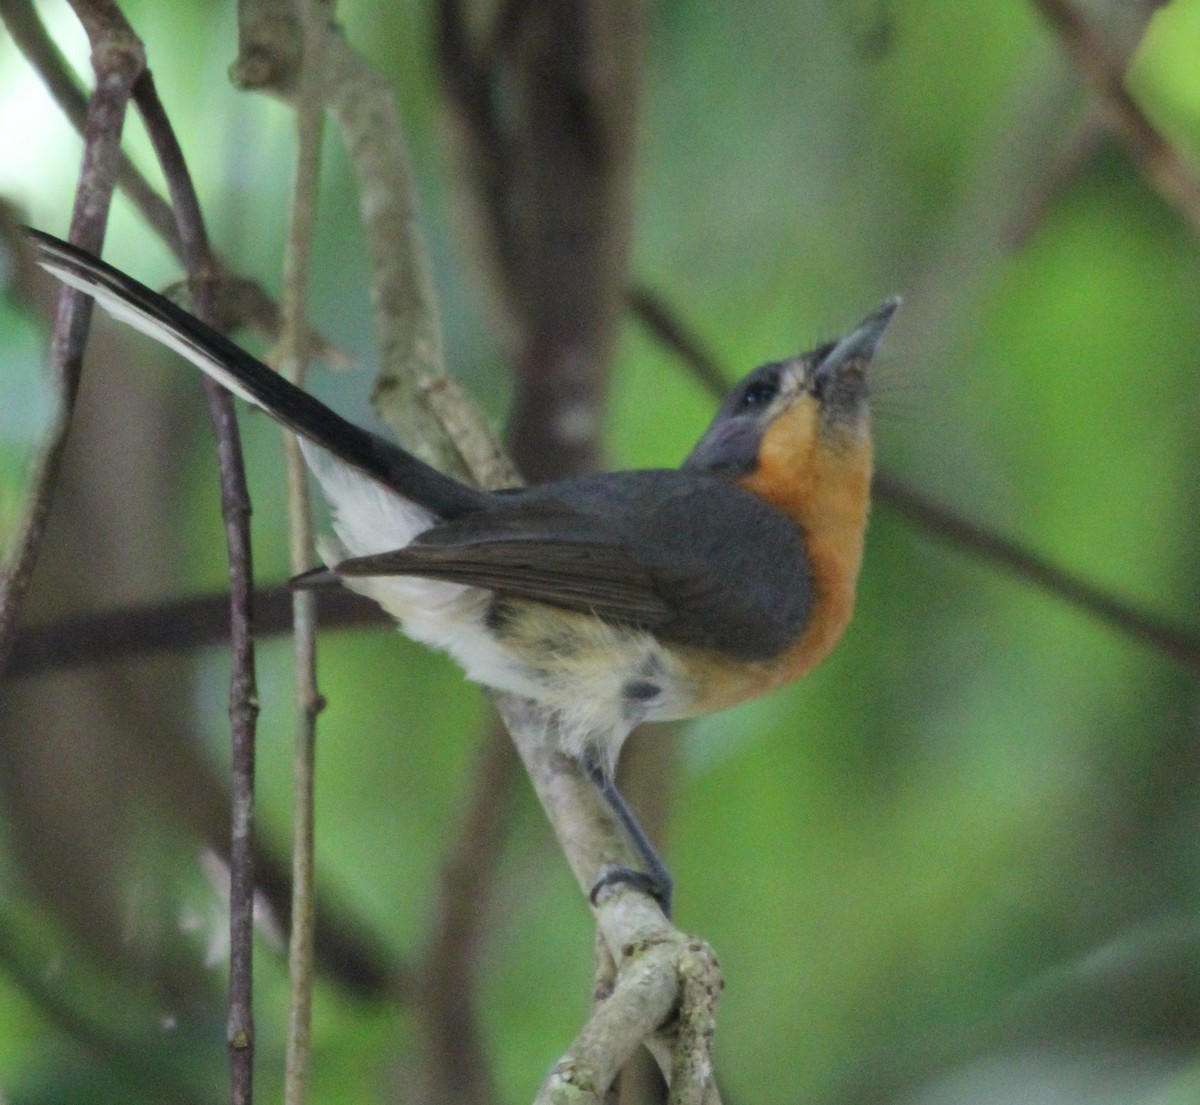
(606,600)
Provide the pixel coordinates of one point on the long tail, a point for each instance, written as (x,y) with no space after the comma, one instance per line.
(137,305)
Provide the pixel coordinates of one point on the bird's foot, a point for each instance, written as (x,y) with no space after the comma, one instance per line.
(658,885)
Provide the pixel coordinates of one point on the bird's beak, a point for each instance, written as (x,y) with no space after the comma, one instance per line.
(861,344)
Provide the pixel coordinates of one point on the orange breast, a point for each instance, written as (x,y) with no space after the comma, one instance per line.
(823,485)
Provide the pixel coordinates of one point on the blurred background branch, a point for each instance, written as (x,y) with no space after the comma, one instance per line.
(1103,72)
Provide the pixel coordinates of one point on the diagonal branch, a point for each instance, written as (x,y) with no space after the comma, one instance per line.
(1160,634)
(543,99)
(118,62)
(657,968)
(238,301)
(1159,162)
(39,49)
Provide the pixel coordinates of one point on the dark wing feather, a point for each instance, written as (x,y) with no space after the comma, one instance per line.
(585,576)
(687,554)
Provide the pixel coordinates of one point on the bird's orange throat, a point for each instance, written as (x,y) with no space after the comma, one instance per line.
(824,486)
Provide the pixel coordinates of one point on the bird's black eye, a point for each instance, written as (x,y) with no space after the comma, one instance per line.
(758,393)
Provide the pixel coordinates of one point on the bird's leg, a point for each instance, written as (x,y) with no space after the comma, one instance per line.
(655,880)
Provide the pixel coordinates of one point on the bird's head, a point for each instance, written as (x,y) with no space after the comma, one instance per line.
(787,412)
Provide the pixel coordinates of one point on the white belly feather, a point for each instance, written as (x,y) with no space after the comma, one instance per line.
(586,684)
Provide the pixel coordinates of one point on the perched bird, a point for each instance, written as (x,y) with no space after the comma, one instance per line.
(609,599)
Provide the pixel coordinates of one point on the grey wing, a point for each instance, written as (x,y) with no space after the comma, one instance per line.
(557,557)
(732,568)
(688,555)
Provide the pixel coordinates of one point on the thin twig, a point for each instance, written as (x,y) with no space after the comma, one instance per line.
(39,49)
(1079,144)
(309,703)
(239,301)
(118,60)
(1160,634)
(1158,160)
(293,363)
(243,695)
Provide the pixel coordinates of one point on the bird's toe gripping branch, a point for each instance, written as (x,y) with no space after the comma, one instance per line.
(655,880)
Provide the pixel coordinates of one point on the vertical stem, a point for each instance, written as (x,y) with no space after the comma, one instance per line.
(243,711)
(243,694)
(293,357)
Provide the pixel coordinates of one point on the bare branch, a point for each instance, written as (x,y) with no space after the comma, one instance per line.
(407,326)
(177,625)
(1163,636)
(237,301)
(39,49)
(656,315)
(293,356)
(1159,162)
(118,62)
(243,695)
(1079,144)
